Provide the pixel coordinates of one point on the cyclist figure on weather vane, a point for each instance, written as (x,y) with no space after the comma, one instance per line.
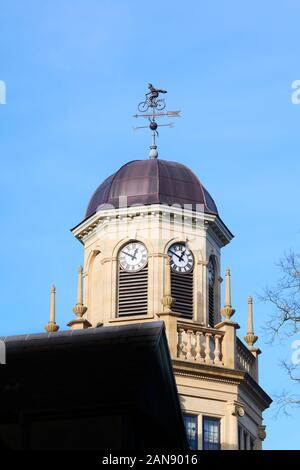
(151,100)
(153,94)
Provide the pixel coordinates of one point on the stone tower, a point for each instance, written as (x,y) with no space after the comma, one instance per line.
(152,239)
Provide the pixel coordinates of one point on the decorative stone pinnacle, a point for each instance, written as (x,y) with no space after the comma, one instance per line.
(227,311)
(51,326)
(250,338)
(79,323)
(79,308)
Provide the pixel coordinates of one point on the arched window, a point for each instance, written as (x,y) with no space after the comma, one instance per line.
(132,292)
(211,291)
(182,279)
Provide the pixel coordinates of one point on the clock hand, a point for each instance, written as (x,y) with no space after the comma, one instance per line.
(173,253)
(128,254)
(182,254)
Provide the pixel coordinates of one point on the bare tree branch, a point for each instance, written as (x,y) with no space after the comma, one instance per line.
(285,298)
(285,402)
(290,370)
(285,319)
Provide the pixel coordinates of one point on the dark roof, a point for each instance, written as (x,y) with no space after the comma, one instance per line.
(152,182)
(106,387)
(145,334)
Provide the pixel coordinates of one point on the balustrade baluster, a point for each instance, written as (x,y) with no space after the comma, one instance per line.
(180,345)
(198,356)
(189,345)
(207,351)
(217,359)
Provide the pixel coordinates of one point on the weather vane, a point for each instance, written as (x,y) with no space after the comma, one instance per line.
(155,105)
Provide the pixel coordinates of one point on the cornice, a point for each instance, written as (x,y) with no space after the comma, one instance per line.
(210,221)
(223,375)
(214,373)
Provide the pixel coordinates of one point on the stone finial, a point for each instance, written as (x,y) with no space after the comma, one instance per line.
(51,326)
(79,309)
(167,299)
(227,311)
(250,338)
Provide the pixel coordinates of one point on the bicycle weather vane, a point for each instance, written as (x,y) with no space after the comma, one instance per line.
(156,105)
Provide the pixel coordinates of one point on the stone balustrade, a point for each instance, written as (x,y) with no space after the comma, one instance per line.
(245,359)
(218,346)
(200,344)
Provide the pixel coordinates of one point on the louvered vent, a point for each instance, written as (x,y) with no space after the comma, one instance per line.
(211,306)
(133,293)
(182,291)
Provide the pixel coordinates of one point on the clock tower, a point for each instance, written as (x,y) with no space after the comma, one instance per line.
(152,238)
(150,218)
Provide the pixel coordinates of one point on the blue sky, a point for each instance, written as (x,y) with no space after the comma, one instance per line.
(74,72)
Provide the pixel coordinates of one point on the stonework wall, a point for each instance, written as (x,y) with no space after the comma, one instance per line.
(157,233)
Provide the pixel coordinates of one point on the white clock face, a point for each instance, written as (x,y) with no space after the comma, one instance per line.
(182,260)
(133,257)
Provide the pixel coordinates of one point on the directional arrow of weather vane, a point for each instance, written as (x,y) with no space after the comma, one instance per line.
(155,105)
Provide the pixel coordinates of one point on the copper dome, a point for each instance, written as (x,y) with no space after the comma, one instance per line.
(152,182)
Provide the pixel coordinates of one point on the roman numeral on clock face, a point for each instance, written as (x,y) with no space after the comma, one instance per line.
(182,260)
(133,257)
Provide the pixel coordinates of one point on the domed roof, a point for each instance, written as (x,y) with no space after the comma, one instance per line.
(152,182)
